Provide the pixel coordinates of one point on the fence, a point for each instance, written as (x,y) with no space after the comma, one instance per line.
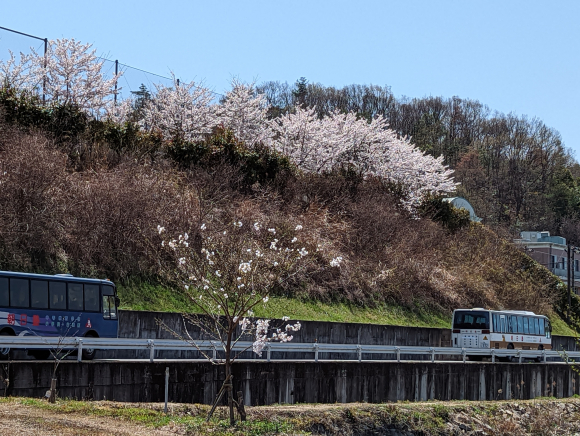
(130,81)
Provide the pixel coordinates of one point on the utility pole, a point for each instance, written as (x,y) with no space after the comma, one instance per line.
(44,76)
(116,80)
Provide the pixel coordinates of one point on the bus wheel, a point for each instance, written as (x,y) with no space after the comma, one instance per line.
(476,358)
(539,358)
(511,358)
(507,358)
(5,353)
(89,353)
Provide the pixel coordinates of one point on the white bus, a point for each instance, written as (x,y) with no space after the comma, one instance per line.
(500,329)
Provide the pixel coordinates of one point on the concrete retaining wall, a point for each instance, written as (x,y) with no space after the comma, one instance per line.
(268,383)
(146,325)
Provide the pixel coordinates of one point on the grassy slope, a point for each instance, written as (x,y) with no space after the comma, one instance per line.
(160,298)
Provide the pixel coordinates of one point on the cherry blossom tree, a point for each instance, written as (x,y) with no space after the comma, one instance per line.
(244,112)
(345,141)
(227,271)
(69,73)
(183,112)
(74,75)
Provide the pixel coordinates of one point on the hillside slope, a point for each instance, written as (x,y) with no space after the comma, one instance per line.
(78,203)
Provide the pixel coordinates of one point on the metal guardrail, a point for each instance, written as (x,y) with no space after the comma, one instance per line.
(214,347)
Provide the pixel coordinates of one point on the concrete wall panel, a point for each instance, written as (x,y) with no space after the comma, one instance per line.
(295,382)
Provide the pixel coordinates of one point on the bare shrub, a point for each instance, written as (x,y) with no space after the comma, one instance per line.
(31,175)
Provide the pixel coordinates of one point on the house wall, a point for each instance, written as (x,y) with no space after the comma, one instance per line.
(542,253)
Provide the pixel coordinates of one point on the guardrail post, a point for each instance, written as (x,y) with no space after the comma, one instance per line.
(432,354)
(214,353)
(151,346)
(269,352)
(166,387)
(316,352)
(359,352)
(80,350)
(463,353)
(520,356)
(398,354)
(492,356)
(544,355)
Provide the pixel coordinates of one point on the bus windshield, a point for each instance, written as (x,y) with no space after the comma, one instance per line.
(471,319)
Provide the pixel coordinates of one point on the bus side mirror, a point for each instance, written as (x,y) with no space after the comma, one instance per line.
(117,301)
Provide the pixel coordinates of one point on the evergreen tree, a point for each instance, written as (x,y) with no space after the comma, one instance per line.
(141,98)
(301,91)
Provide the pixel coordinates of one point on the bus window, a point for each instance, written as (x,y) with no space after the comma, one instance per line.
(468,320)
(19,296)
(75,296)
(92,298)
(106,308)
(39,294)
(541,325)
(4,297)
(548,328)
(109,309)
(526,325)
(113,307)
(57,295)
(514,324)
(520,324)
(536,326)
(502,322)
(496,324)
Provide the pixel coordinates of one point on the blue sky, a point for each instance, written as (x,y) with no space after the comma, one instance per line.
(520,56)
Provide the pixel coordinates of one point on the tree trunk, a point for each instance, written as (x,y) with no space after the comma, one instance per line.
(231,401)
(230,386)
(52,398)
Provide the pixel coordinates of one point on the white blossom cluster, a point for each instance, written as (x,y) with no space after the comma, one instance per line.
(336,261)
(21,74)
(245,114)
(279,335)
(182,111)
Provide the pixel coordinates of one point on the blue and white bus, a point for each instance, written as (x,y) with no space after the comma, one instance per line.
(59,305)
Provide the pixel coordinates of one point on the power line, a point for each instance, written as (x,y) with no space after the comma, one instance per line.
(105,59)
(22,33)
(147,72)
